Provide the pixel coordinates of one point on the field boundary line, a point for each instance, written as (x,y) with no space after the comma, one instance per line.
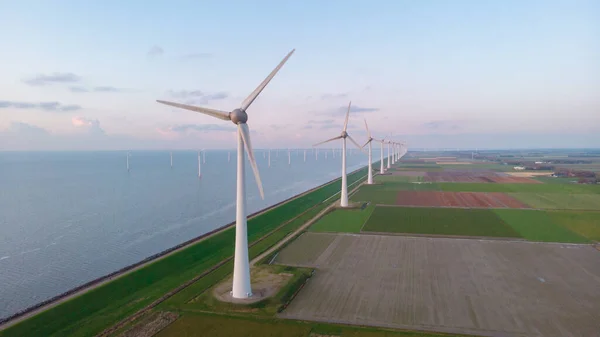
(301,229)
(462,207)
(464,237)
(367,220)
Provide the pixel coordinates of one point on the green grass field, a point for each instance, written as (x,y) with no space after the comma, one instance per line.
(539,226)
(550,180)
(104,306)
(516,188)
(199,324)
(586,224)
(342,220)
(400,179)
(438,221)
(560,200)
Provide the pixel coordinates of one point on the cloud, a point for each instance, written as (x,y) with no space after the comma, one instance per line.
(197,96)
(42,79)
(187,128)
(155,51)
(194,56)
(441,125)
(341,111)
(80,89)
(46,106)
(26,129)
(92,125)
(333,96)
(327,121)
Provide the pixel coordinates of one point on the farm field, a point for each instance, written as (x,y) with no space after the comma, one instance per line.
(458,199)
(342,220)
(540,226)
(586,224)
(559,200)
(481,287)
(438,221)
(199,324)
(476,177)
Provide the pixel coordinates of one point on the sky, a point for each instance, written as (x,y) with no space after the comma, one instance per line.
(81,75)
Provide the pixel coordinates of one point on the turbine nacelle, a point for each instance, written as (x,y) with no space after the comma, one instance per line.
(238,116)
(344,134)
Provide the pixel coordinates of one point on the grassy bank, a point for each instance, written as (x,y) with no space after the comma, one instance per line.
(102,307)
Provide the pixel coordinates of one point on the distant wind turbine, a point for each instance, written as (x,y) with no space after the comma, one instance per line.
(128,154)
(369,140)
(343,136)
(289,157)
(203,157)
(269,157)
(171,159)
(228,156)
(241,265)
(305,155)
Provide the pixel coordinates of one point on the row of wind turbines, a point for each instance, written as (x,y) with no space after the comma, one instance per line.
(241,287)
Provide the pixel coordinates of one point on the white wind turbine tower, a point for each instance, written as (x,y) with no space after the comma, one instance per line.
(369,140)
(228,156)
(269,157)
(343,136)
(128,154)
(305,155)
(203,157)
(241,264)
(381,168)
(388,153)
(289,157)
(171,153)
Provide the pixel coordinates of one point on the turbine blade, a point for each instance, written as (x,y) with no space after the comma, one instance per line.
(328,140)
(211,112)
(245,132)
(355,143)
(368,132)
(264,83)
(367,143)
(347,115)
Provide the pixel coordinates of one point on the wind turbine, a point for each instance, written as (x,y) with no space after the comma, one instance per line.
(343,136)
(289,157)
(241,265)
(128,154)
(228,156)
(171,159)
(381,169)
(203,157)
(388,152)
(369,140)
(269,157)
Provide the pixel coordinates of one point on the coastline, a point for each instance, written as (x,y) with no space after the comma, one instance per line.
(81,289)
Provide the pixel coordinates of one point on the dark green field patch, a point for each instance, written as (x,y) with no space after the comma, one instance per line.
(573,201)
(342,220)
(438,221)
(538,226)
(586,224)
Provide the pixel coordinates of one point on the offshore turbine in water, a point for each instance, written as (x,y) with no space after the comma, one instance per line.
(343,136)
(241,264)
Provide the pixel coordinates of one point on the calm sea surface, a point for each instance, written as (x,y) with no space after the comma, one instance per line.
(69,217)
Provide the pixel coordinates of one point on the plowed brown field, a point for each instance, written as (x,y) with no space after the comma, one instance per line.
(458,199)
